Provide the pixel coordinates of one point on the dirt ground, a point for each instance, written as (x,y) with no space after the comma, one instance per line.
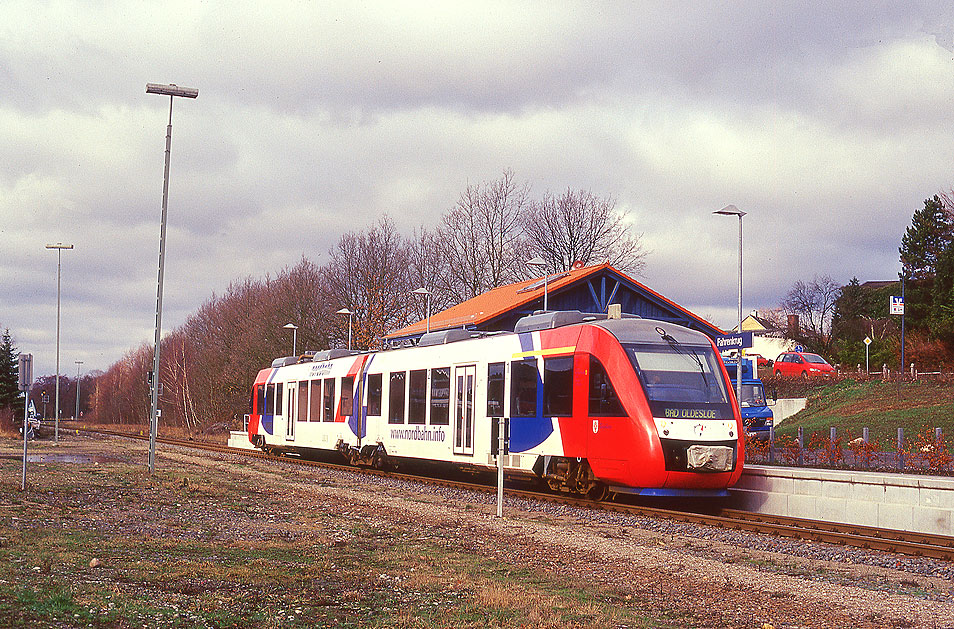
(221,541)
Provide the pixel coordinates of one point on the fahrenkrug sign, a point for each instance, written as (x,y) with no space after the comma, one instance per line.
(734,341)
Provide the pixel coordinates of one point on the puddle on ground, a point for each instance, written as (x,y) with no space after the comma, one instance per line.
(69,458)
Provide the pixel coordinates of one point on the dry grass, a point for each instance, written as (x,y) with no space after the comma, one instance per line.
(241,546)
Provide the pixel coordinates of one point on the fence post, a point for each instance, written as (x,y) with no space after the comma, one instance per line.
(772,444)
(900,449)
(801,445)
(914,373)
(864,435)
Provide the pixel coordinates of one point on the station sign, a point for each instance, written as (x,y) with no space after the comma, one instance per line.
(896,305)
(728,342)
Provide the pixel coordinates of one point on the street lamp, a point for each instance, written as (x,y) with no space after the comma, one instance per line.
(542,264)
(78,363)
(171,90)
(427,293)
(731,210)
(345,311)
(294,329)
(59,254)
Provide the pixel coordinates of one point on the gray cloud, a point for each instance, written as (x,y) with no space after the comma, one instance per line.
(829,124)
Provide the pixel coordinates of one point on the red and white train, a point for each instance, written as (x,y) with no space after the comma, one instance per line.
(595,405)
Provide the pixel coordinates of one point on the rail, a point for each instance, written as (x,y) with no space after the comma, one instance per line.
(865,537)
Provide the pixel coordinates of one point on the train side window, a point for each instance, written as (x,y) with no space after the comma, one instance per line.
(417,396)
(396,397)
(260,399)
(374,394)
(558,386)
(303,401)
(495,390)
(269,408)
(440,396)
(278,398)
(347,396)
(603,399)
(315,401)
(523,388)
(328,401)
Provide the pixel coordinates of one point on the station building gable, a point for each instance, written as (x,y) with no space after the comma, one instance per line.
(587,289)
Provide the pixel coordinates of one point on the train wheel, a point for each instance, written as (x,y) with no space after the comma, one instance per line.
(598,492)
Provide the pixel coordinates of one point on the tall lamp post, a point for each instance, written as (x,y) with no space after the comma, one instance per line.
(542,264)
(426,293)
(345,311)
(731,210)
(294,329)
(78,363)
(172,90)
(59,254)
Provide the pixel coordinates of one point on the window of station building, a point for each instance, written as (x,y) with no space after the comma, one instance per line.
(417,396)
(303,401)
(374,394)
(603,399)
(523,388)
(440,396)
(347,396)
(328,401)
(396,397)
(495,389)
(558,386)
(315,401)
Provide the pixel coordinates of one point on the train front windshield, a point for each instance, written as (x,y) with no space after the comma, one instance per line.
(688,375)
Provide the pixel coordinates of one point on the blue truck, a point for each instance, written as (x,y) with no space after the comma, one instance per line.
(756,415)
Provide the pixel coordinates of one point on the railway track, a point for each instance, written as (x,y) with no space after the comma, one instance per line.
(865,537)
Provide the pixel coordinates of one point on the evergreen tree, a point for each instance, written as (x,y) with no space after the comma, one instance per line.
(941,321)
(925,257)
(926,240)
(9,372)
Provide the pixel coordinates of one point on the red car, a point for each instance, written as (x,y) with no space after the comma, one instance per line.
(801,364)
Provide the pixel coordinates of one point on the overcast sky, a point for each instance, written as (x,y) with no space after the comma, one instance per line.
(828,125)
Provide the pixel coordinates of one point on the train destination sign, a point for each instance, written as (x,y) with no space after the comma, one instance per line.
(733,341)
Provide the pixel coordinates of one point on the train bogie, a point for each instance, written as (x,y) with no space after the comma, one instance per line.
(626,405)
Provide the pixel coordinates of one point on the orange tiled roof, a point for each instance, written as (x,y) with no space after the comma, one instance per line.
(498,301)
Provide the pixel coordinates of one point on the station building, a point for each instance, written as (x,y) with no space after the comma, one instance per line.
(587,289)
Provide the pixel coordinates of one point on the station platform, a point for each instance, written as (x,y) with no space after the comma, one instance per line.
(906,502)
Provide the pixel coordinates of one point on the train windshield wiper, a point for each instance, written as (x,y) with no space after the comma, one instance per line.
(680,349)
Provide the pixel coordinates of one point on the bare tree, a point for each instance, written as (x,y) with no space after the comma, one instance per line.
(814,303)
(480,240)
(578,226)
(427,270)
(369,274)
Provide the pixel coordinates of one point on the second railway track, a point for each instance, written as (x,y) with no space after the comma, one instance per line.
(869,538)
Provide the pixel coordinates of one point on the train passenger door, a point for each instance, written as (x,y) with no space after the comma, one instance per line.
(465,377)
(292,412)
